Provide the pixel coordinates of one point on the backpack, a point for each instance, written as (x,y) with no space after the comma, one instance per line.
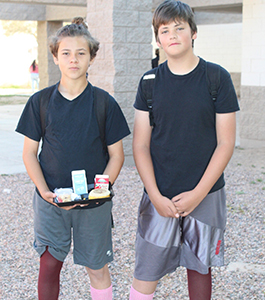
(101,103)
(212,72)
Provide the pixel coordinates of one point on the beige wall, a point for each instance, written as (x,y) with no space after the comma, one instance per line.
(220,43)
(252,121)
(124,31)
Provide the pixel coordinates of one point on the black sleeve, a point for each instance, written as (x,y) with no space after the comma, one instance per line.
(226,98)
(116,124)
(29,122)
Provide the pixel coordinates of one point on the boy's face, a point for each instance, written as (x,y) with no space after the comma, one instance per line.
(175,38)
(73,57)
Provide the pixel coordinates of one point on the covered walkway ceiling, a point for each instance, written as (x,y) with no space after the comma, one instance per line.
(49,2)
(42,10)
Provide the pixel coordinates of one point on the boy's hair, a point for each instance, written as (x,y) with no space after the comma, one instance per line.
(77,28)
(171,10)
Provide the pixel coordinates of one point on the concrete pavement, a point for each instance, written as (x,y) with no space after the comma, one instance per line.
(11,143)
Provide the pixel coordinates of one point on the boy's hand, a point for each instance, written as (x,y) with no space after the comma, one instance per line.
(49,196)
(165,207)
(186,202)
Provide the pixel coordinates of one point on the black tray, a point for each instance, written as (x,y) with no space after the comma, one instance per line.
(84,199)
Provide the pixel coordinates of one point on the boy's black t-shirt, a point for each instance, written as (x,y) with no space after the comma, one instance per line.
(184,137)
(72,140)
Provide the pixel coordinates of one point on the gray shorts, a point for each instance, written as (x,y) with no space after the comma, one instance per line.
(195,242)
(90,228)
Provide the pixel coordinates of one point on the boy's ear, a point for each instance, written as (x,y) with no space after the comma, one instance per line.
(194,35)
(91,61)
(55,59)
(158,43)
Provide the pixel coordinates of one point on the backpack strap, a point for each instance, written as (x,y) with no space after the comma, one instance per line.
(45,96)
(101,104)
(148,87)
(213,79)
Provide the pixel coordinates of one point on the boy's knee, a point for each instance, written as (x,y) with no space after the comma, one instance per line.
(99,279)
(49,265)
(99,274)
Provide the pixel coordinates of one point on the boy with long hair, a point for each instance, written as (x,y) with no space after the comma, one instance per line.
(72,142)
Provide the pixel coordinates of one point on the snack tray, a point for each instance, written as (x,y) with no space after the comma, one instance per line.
(84,200)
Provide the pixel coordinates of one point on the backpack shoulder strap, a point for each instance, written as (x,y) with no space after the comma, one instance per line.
(213,79)
(101,104)
(45,96)
(148,86)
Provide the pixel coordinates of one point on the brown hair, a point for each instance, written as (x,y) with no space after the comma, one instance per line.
(78,27)
(171,10)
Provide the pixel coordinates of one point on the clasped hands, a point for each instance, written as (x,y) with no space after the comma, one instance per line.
(179,206)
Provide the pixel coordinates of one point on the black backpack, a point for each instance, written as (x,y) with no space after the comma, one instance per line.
(101,103)
(212,73)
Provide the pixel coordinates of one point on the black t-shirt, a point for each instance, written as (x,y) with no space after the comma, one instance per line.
(184,137)
(72,140)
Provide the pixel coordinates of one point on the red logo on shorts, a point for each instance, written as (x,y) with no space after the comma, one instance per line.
(218,247)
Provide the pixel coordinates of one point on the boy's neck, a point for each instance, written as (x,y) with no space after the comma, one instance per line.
(183,65)
(71,89)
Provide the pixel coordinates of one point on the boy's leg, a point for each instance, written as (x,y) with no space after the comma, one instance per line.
(101,288)
(203,243)
(100,279)
(52,227)
(49,277)
(157,249)
(93,247)
(200,285)
(142,290)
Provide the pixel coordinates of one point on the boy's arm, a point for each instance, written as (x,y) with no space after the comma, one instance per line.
(226,131)
(30,158)
(30,153)
(144,164)
(116,159)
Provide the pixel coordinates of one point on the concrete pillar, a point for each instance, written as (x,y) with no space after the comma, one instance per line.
(252,121)
(48,72)
(123,29)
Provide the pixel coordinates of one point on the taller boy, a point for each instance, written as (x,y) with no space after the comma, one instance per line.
(182,214)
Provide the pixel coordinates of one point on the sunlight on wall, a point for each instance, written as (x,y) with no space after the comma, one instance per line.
(222,44)
(17,53)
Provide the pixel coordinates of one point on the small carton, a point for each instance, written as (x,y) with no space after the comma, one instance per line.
(79,182)
(102,181)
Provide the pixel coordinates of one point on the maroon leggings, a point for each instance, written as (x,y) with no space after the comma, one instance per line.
(200,285)
(49,277)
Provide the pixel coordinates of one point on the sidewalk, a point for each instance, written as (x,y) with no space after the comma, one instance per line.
(11,143)
(17,92)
